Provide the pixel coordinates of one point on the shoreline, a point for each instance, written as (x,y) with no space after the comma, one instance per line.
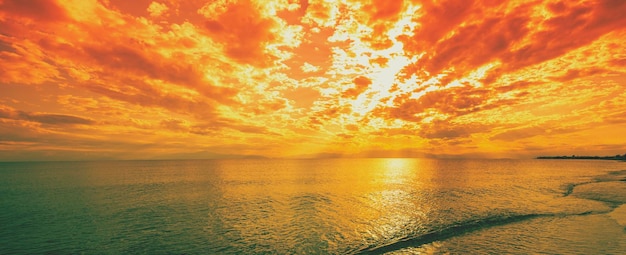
(609,188)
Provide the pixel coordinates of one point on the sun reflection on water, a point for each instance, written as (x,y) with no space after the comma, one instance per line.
(395,208)
(397,170)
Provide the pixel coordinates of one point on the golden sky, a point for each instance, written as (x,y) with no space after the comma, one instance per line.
(143,79)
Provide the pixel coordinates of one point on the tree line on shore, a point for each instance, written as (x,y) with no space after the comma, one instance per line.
(616,157)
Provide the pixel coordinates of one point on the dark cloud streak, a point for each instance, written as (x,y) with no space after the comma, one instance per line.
(44,118)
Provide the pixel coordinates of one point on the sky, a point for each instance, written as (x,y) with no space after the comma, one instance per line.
(164,79)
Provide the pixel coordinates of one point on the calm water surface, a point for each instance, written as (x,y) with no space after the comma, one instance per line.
(329,206)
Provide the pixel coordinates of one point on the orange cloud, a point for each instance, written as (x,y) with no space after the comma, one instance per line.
(161,79)
(35,10)
(242,31)
(361,83)
(157,9)
(580,24)
(386,9)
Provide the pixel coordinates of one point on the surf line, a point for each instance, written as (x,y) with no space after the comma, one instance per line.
(614,176)
(461,229)
(458,230)
(474,225)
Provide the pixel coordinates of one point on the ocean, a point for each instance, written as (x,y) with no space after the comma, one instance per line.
(314,206)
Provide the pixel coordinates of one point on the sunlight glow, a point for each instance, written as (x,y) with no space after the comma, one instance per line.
(285,78)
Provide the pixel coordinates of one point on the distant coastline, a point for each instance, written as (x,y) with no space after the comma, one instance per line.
(616,157)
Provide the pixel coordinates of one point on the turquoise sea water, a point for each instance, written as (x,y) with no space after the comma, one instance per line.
(322,206)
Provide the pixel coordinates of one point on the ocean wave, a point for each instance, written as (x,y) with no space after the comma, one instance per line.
(451,231)
(612,192)
(609,188)
(462,228)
